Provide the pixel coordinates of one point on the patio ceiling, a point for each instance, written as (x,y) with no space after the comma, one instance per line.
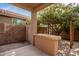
(31,6)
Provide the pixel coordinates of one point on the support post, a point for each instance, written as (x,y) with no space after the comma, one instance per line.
(71,34)
(33,29)
(48,29)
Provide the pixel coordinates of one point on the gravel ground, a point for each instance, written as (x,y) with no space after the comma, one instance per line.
(64,49)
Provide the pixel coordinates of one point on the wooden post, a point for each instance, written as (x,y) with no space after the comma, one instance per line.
(48,29)
(71,34)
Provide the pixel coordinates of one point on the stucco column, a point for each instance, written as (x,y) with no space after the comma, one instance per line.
(33,28)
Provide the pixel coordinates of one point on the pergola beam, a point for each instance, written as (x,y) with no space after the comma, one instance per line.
(71,34)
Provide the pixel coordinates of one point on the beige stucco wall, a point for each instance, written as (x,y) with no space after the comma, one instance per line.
(5,19)
(47,43)
(1,27)
(4,27)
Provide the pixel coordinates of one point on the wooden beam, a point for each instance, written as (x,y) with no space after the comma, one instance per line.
(71,34)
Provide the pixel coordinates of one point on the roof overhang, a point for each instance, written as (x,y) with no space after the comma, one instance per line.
(32,6)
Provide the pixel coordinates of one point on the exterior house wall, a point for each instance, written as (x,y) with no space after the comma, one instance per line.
(1,27)
(5,23)
(4,27)
(5,19)
(10,33)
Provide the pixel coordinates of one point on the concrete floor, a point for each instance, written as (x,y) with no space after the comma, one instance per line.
(26,49)
(8,47)
(20,49)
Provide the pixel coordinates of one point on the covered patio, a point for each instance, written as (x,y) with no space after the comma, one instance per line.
(33,35)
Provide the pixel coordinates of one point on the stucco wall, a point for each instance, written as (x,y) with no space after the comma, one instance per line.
(5,19)
(1,27)
(4,27)
(14,34)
